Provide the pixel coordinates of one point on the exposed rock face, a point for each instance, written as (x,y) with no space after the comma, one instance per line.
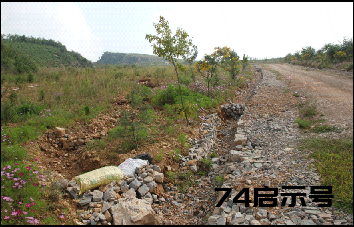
(133,211)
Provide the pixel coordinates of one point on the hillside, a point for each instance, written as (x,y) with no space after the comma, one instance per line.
(38,51)
(129,59)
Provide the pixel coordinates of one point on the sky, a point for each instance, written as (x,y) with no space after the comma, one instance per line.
(257,29)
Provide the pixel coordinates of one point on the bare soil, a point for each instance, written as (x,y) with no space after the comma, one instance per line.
(331,90)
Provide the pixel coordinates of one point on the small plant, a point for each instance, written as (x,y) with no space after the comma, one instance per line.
(171,130)
(13,98)
(146,114)
(171,176)
(213,155)
(176,154)
(303,123)
(202,173)
(205,165)
(41,95)
(87,110)
(133,131)
(159,156)
(119,75)
(186,180)
(219,180)
(30,78)
(182,139)
(309,111)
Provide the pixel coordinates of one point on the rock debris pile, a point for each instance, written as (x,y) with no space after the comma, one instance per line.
(133,195)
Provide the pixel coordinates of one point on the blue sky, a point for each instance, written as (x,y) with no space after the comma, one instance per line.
(257,29)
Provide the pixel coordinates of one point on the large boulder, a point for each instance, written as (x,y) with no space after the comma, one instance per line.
(133,211)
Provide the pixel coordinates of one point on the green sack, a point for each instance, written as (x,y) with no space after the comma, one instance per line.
(98,177)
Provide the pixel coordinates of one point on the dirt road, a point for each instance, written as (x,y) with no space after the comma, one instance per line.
(332,90)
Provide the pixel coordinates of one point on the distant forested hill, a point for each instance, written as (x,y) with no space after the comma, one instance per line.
(129,59)
(37,52)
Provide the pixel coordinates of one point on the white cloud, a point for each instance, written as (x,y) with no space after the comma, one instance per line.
(76,33)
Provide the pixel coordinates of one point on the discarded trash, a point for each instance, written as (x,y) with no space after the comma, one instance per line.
(129,165)
(98,177)
(145,156)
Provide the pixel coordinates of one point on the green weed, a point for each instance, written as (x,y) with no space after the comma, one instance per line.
(219,180)
(325,128)
(159,156)
(176,154)
(213,155)
(304,123)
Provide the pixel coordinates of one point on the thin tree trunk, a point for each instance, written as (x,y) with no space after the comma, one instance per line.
(180,92)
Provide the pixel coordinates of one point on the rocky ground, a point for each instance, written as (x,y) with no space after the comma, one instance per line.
(255,149)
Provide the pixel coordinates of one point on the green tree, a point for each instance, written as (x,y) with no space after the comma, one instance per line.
(171,47)
(229,60)
(244,61)
(308,53)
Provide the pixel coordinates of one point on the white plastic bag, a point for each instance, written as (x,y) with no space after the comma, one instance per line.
(129,165)
(98,177)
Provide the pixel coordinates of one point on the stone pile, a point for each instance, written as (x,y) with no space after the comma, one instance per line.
(105,204)
(201,148)
(232,110)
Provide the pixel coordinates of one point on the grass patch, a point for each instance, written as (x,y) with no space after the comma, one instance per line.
(325,128)
(334,161)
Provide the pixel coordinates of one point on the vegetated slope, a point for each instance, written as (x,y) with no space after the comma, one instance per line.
(38,51)
(129,59)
